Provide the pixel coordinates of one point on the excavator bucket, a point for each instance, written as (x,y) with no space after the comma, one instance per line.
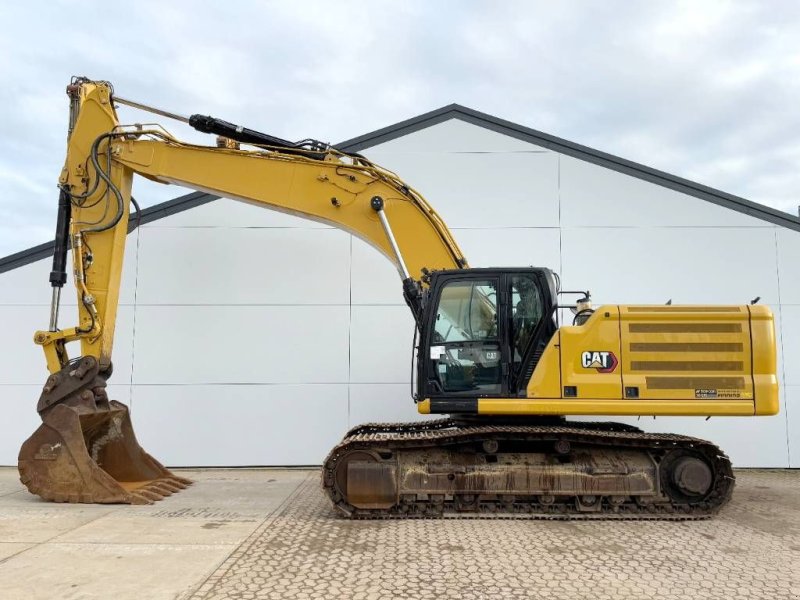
(85,449)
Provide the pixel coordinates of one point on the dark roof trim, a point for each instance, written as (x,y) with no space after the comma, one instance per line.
(468,115)
(551,142)
(153,213)
(171,207)
(20,259)
(402,128)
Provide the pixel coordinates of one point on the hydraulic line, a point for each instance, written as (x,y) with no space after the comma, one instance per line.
(113,188)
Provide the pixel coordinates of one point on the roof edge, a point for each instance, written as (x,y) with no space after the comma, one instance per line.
(487,121)
(386,134)
(627,167)
(147,215)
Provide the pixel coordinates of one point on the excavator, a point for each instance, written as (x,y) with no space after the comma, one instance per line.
(491,353)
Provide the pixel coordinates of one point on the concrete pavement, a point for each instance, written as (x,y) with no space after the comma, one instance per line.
(163,551)
(271,534)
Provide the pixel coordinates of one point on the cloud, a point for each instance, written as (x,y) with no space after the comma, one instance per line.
(704,90)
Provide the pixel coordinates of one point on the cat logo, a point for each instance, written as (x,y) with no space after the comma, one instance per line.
(602,360)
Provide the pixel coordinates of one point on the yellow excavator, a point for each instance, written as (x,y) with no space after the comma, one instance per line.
(490,353)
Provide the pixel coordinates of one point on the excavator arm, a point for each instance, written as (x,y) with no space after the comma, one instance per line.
(307,179)
(85,450)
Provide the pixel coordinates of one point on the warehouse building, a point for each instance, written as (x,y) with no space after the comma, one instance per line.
(250,337)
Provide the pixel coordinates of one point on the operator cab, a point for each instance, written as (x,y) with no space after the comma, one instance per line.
(483,331)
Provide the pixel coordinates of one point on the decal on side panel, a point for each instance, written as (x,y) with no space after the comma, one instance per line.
(602,360)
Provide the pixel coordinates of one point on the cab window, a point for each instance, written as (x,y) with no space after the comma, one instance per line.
(527,310)
(465,349)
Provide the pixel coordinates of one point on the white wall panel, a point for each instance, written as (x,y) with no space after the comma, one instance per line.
(241,344)
(119,389)
(689,265)
(380,344)
(790,340)
(789,265)
(594,196)
(225,212)
(792,410)
(30,284)
(122,356)
(375,280)
(221,425)
(454,136)
(23,361)
(20,418)
(748,441)
(244,266)
(511,247)
(483,190)
(386,402)
(777,313)
(128,283)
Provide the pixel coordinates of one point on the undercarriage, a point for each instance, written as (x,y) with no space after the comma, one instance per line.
(546,470)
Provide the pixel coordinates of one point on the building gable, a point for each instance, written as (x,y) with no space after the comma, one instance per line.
(488,122)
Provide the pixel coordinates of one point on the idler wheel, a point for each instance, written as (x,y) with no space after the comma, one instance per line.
(692,476)
(686,476)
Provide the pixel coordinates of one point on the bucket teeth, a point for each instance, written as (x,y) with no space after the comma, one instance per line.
(159,487)
(139,498)
(181,482)
(168,485)
(158,490)
(150,493)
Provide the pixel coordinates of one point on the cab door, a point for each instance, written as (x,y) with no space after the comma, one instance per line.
(466,354)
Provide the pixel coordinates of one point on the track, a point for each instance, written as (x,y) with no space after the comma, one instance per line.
(398,453)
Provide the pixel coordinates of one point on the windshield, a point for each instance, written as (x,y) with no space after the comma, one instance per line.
(467,312)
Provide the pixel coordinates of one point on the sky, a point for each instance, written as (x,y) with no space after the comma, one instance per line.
(707,90)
